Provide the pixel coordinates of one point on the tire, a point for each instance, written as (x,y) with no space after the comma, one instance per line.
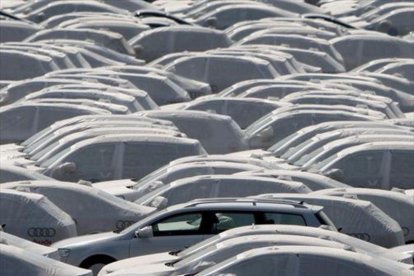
(95,263)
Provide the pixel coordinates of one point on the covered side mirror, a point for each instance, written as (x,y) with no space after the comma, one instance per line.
(336,174)
(68,167)
(159,202)
(203,265)
(211,21)
(266,134)
(64,170)
(144,233)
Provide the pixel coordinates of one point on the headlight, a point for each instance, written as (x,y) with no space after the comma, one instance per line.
(63,253)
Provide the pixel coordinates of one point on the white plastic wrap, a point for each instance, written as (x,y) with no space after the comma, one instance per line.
(397,205)
(16,261)
(34,217)
(357,218)
(92,210)
(32,247)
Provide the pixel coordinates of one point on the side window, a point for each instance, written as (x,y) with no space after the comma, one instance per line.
(402,162)
(95,163)
(182,224)
(402,172)
(362,164)
(284,218)
(141,158)
(227,220)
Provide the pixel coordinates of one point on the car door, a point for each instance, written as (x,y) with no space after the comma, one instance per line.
(172,233)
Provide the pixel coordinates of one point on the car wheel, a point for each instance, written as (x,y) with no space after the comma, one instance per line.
(95,263)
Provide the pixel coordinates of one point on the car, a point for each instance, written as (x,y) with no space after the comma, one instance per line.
(93,210)
(74,122)
(132,189)
(16,260)
(33,217)
(217,69)
(220,186)
(395,204)
(313,181)
(177,39)
(182,225)
(311,260)
(273,230)
(300,154)
(21,120)
(377,103)
(126,26)
(275,126)
(396,47)
(319,155)
(307,133)
(160,88)
(218,134)
(214,254)
(120,156)
(244,111)
(284,63)
(380,165)
(43,144)
(294,41)
(29,246)
(357,218)
(226,16)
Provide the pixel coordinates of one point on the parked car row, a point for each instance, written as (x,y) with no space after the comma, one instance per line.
(206,137)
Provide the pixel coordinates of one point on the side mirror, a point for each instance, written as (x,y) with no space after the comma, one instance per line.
(138,49)
(144,233)
(266,134)
(159,202)
(64,170)
(203,265)
(68,167)
(336,174)
(211,21)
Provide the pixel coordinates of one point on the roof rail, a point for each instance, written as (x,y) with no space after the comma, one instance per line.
(199,201)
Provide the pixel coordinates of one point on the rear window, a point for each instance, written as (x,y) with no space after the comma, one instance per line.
(284,218)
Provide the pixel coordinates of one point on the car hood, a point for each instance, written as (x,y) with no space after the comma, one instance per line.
(133,263)
(87,240)
(152,269)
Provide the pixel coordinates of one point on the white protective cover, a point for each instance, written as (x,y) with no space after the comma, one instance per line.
(397,205)
(212,186)
(131,190)
(218,134)
(34,217)
(306,261)
(47,251)
(93,210)
(313,180)
(16,261)
(357,218)
(320,232)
